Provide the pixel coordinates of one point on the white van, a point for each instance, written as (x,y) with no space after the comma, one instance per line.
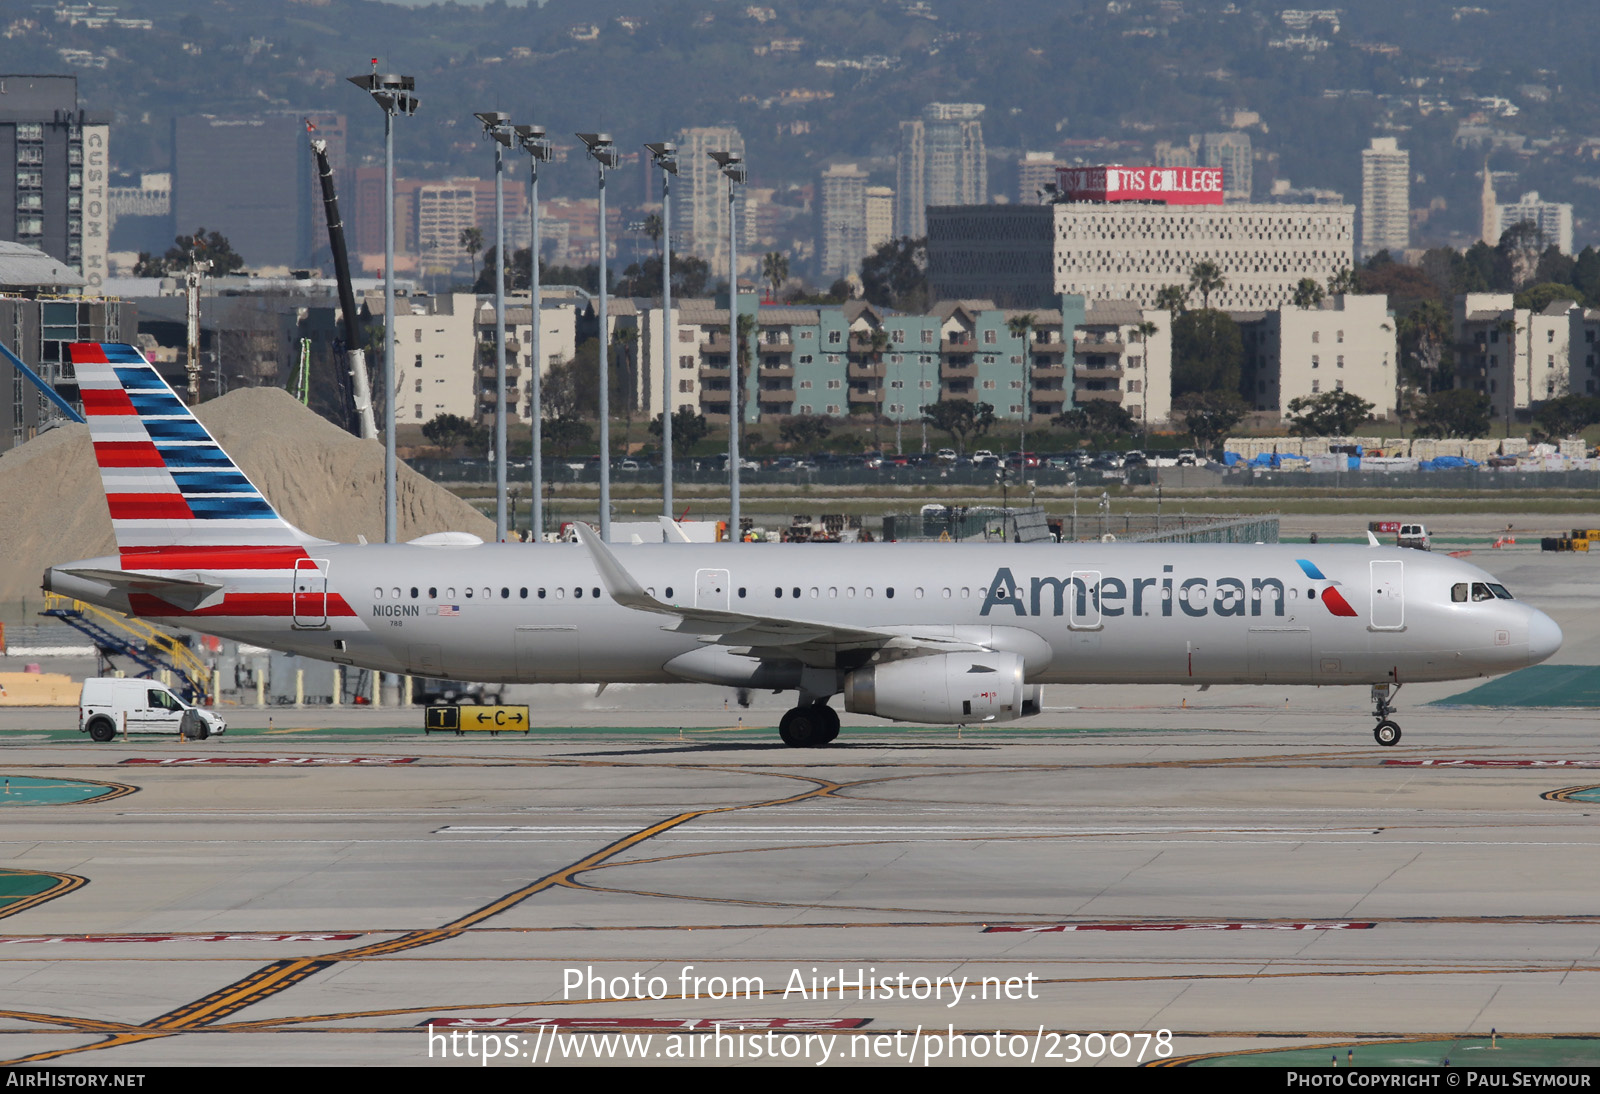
(149,707)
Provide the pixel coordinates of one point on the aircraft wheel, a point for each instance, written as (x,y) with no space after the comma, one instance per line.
(1387,733)
(102,731)
(830,721)
(801,728)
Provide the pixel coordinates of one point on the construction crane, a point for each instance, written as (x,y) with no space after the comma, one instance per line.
(355,356)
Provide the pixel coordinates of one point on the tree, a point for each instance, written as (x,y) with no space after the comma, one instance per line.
(690,275)
(562,435)
(775,270)
(896,275)
(747,335)
(572,388)
(1454,413)
(804,430)
(960,419)
(1206,278)
(1425,344)
(1307,294)
(1173,298)
(1207,351)
(1021,326)
(1096,416)
(472,243)
(451,431)
(1519,247)
(1210,415)
(1343,282)
(655,228)
(209,248)
(1566,416)
(1330,414)
(624,387)
(689,428)
(1536,298)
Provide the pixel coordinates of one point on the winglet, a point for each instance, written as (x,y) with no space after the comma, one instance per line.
(1372,540)
(675,534)
(618,582)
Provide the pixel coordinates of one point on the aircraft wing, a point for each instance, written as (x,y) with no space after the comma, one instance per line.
(190,594)
(759,632)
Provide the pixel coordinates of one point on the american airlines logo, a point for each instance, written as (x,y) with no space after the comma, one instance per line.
(1332,598)
(1088,593)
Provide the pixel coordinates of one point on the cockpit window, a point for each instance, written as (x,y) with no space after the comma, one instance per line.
(1478,591)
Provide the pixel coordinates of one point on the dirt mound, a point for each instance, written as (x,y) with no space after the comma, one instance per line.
(318,477)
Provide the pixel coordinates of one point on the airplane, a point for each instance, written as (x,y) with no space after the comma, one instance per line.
(936,633)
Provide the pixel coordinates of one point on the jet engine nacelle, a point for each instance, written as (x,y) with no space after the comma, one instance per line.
(949,689)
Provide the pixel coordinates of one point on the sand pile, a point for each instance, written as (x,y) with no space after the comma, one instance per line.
(316,475)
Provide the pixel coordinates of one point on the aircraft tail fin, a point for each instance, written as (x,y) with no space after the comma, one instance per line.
(168,483)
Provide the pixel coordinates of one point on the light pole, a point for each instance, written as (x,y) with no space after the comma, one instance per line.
(606,155)
(497,127)
(732,165)
(394,95)
(539,150)
(665,154)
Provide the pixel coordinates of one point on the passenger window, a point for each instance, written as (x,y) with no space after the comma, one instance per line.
(505,593)
(525,593)
(1311,594)
(669,592)
(450,593)
(833,592)
(377,594)
(578,592)
(889,592)
(1458,592)
(947,594)
(397,593)
(469,593)
(966,592)
(561,594)
(778,593)
(797,592)
(741,592)
(413,592)
(850,590)
(433,592)
(815,592)
(919,592)
(595,592)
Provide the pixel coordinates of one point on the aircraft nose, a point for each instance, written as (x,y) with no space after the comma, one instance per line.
(1544,638)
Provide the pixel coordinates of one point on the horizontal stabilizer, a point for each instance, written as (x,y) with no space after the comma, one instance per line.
(189,594)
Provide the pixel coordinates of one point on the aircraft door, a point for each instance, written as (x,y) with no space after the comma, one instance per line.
(711,589)
(1083,601)
(310,596)
(1388,603)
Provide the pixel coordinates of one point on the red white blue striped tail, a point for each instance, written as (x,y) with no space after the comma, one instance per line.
(168,483)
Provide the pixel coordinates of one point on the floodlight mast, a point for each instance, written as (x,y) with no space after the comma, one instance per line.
(605,153)
(394,95)
(540,150)
(665,155)
(497,127)
(732,165)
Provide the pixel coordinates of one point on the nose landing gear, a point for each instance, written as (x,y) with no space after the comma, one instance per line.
(1386,732)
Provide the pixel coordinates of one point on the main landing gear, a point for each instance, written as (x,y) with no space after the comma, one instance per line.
(1387,732)
(810,725)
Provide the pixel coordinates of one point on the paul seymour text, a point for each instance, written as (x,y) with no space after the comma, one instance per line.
(808,984)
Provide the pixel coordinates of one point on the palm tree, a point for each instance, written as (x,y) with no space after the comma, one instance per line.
(1173,299)
(1206,278)
(1022,327)
(1343,281)
(747,332)
(1308,294)
(626,339)
(654,228)
(775,270)
(472,243)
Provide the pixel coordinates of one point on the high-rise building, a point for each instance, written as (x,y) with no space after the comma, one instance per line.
(942,162)
(1488,209)
(53,194)
(1034,171)
(842,231)
(1552,218)
(1168,154)
(252,179)
(1385,198)
(880,216)
(1232,153)
(700,200)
